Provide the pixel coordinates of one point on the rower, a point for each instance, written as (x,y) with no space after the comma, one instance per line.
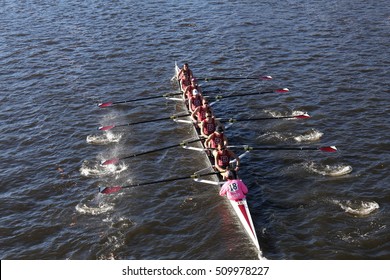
(235,189)
(215,138)
(208,125)
(222,157)
(185,75)
(200,112)
(187,92)
(195,100)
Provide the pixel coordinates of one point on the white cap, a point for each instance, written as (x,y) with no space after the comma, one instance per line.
(195,92)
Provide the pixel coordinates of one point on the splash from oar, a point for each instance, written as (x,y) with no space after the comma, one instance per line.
(329,170)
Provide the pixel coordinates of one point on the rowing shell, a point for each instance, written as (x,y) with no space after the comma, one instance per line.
(240,207)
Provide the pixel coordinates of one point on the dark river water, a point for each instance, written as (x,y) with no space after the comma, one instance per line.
(60,58)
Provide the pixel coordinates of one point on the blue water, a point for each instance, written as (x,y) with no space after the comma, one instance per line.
(60,58)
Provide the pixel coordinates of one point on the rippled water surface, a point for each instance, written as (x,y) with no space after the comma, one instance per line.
(60,58)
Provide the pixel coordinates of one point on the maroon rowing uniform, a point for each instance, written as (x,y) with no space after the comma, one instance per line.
(223,159)
(216,139)
(202,112)
(195,101)
(208,127)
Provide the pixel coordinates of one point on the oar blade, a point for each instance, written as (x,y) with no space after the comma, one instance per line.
(107,127)
(266,78)
(105,104)
(110,161)
(282,90)
(328,149)
(109,190)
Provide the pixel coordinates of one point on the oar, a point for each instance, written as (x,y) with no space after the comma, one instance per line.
(280,90)
(109,190)
(302,116)
(116,160)
(329,149)
(110,103)
(230,120)
(235,78)
(173,117)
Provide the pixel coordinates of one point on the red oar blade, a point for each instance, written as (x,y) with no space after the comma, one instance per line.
(108,190)
(303,116)
(110,161)
(329,149)
(282,90)
(266,78)
(107,127)
(105,104)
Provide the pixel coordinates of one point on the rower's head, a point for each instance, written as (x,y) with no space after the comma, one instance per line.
(195,92)
(230,175)
(219,129)
(193,81)
(185,66)
(209,115)
(205,102)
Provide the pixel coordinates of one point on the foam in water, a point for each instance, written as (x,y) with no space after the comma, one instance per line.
(279,114)
(97,170)
(104,139)
(359,208)
(273,136)
(310,136)
(329,170)
(96,210)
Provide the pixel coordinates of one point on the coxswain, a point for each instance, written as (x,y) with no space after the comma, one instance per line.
(216,138)
(222,158)
(208,125)
(195,100)
(235,189)
(200,112)
(185,75)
